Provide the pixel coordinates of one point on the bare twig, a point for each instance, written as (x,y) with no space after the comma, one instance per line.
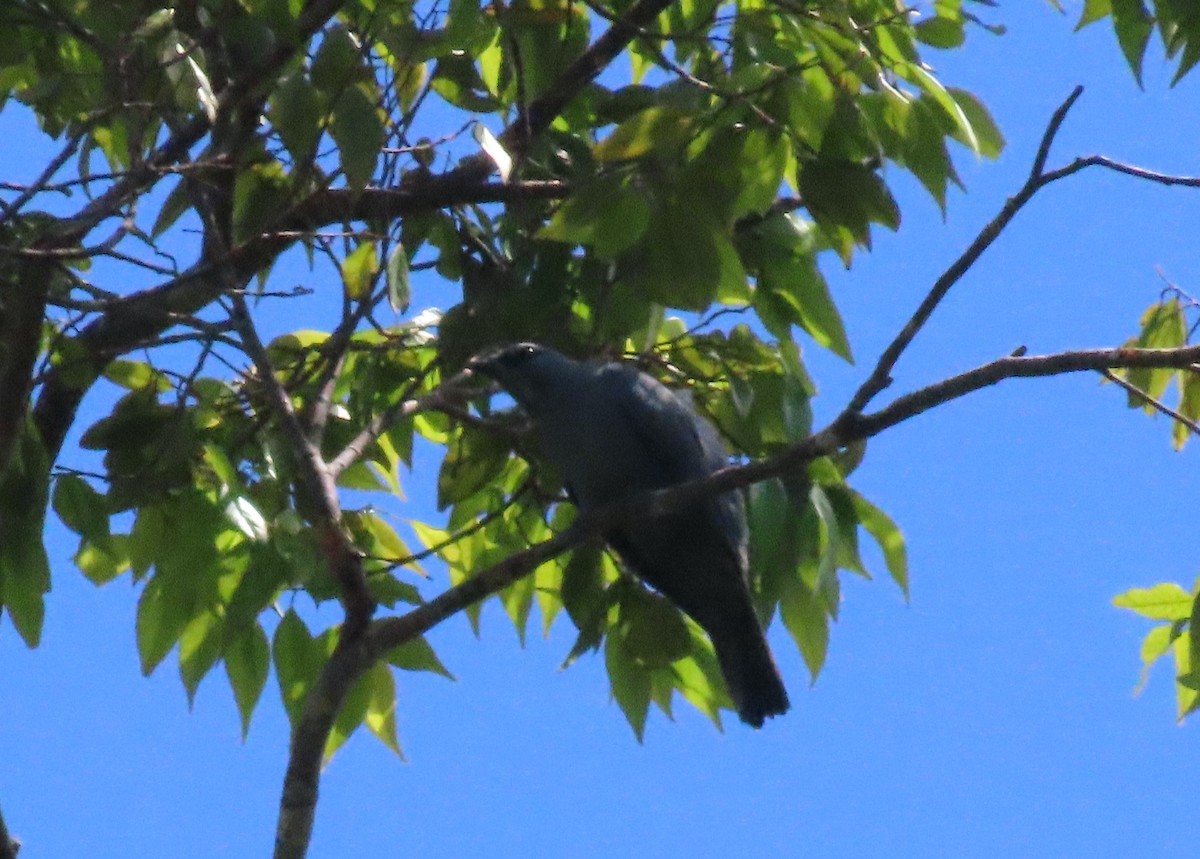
(881,376)
(1154,403)
(8,210)
(448,393)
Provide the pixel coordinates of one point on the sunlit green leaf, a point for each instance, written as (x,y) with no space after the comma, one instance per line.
(1167,601)
(297,660)
(656,129)
(359,269)
(381,707)
(247,660)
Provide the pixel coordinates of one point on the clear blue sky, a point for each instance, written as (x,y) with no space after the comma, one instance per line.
(993,716)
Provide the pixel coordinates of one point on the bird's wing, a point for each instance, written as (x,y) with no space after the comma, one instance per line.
(682,446)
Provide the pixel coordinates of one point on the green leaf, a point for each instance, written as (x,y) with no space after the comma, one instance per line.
(653,630)
(24,582)
(583,585)
(606,214)
(517,600)
(81,508)
(845,198)
(807,621)
(161,618)
(417,655)
(987,132)
(656,129)
(359,269)
(1187,684)
(200,646)
(247,661)
(352,714)
(398,285)
(685,257)
(547,584)
(381,707)
(297,660)
(358,132)
(1093,10)
(177,202)
(259,197)
(1133,25)
(338,60)
(940,32)
(103,561)
(1167,601)
(135,376)
(924,149)
(146,539)
(472,462)
(1155,645)
(297,114)
(889,537)
(24,567)
(630,684)
(1163,326)
(699,680)
(1189,406)
(456,79)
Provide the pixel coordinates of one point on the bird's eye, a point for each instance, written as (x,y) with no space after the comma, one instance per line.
(523,353)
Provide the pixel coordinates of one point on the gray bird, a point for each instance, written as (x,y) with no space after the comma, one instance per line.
(614,433)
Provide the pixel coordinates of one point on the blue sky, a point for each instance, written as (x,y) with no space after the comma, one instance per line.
(991,716)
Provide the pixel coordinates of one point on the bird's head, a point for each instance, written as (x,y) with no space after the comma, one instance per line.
(532,373)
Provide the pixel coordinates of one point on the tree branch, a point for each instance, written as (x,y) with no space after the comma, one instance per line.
(142,316)
(447,393)
(386,633)
(313,17)
(1155,404)
(847,428)
(881,376)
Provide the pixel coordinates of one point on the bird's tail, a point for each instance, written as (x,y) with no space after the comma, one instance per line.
(750,674)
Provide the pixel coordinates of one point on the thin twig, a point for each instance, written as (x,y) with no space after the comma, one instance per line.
(1151,401)
(448,392)
(8,210)
(881,376)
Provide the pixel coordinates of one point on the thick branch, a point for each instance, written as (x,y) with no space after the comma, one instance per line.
(300,784)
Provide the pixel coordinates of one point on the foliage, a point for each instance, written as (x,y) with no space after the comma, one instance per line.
(674,176)
(1179,635)
(1169,323)
(668,190)
(1134,22)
